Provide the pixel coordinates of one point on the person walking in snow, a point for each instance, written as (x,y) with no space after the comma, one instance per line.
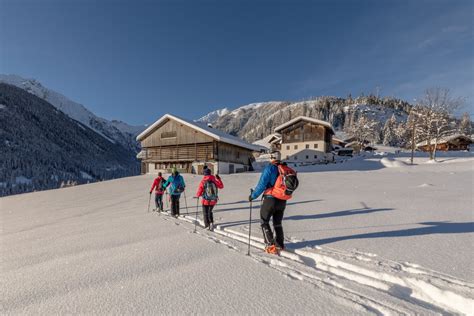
(159,191)
(277,183)
(176,187)
(208,188)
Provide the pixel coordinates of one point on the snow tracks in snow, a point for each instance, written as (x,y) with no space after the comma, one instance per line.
(382,287)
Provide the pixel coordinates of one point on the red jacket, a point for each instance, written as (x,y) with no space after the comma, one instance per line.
(156,186)
(200,190)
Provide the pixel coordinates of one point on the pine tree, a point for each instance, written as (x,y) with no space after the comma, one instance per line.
(389,136)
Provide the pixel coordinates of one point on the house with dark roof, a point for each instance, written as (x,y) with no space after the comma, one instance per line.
(305,140)
(448,143)
(176,142)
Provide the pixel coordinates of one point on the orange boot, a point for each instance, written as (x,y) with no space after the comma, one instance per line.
(272,249)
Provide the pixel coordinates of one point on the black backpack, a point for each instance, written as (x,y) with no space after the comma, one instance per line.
(210,191)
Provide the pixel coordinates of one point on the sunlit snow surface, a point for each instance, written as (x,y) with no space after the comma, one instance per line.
(364,237)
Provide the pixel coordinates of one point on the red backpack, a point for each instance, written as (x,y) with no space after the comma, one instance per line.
(286,183)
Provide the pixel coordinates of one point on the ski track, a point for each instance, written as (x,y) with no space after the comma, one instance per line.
(380,286)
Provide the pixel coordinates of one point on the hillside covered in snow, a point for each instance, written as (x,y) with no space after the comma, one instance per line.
(258,120)
(114,131)
(371,236)
(43,148)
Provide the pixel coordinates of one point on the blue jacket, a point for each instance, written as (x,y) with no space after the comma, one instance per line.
(267,180)
(174,182)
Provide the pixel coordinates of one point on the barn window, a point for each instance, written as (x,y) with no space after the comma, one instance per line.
(287,157)
(168,134)
(287,147)
(307,157)
(296,147)
(315,156)
(315,145)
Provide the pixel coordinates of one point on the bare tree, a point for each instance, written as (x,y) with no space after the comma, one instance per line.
(465,127)
(435,116)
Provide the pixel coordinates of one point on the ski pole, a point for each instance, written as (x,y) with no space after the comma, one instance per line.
(166,198)
(186,203)
(149,199)
(250,223)
(197,210)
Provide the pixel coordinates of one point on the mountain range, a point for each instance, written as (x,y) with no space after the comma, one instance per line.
(114,131)
(43,148)
(257,120)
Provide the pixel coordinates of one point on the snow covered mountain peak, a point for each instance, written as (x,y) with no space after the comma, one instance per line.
(115,131)
(213,116)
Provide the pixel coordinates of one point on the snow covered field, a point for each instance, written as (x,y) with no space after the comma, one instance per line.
(369,236)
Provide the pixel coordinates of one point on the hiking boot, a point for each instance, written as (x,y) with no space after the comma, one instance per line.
(271,249)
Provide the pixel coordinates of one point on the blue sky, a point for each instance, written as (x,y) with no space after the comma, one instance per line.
(136,60)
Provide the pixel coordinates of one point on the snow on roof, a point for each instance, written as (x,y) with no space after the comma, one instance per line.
(268,140)
(443,140)
(304,118)
(201,127)
(337,139)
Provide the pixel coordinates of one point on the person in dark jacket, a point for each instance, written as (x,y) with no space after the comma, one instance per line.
(159,191)
(176,186)
(208,202)
(271,207)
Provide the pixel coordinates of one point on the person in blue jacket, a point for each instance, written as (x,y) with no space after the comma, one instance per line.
(270,207)
(176,187)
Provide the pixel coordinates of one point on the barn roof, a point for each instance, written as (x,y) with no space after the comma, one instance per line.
(445,139)
(201,127)
(307,119)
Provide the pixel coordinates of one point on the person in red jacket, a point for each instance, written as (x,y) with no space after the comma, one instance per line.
(159,191)
(207,189)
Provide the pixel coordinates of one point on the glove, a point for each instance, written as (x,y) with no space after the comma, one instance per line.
(150,192)
(218,177)
(250,198)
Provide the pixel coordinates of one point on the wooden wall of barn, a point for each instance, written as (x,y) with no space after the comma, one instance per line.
(173,133)
(230,153)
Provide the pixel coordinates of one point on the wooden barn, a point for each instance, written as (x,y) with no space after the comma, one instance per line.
(175,142)
(306,140)
(454,142)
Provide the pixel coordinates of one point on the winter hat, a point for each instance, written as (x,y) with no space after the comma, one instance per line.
(207,172)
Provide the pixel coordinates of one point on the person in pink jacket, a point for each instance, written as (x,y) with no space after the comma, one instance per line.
(159,191)
(208,188)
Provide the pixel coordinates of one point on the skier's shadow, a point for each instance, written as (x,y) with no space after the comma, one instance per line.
(358,211)
(429,228)
(315,216)
(255,206)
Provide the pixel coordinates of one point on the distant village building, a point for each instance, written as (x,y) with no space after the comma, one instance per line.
(175,142)
(270,145)
(454,142)
(306,140)
(338,143)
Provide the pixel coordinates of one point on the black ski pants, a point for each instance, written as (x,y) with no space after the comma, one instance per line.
(274,209)
(174,204)
(208,216)
(159,201)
